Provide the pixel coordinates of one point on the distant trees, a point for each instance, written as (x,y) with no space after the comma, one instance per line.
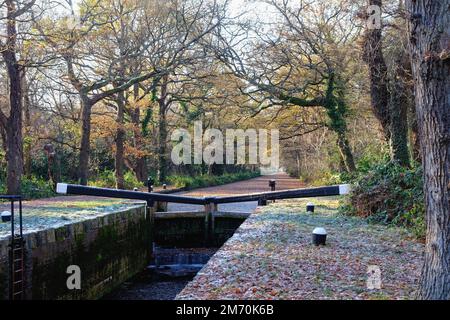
(74,45)
(429,38)
(158,37)
(301,63)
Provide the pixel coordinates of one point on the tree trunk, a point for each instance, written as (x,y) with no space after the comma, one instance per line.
(27,114)
(162,160)
(14,130)
(414,137)
(399,124)
(430,46)
(337,110)
(14,142)
(346,153)
(120,141)
(389,107)
(85,149)
(140,164)
(373,55)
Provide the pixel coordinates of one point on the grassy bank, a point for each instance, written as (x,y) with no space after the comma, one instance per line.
(189,182)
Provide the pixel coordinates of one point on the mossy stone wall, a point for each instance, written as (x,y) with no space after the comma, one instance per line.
(108,249)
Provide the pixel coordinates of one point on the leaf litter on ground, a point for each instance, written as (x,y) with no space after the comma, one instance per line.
(271,256)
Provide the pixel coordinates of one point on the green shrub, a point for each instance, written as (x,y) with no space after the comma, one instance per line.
(208,180)
(391,194)
(328,179)
(33,188)
(107,179)
(131,181)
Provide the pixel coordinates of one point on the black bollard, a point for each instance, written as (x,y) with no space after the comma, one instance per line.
(310,207)
(6,216)
(150,183)
(272,185)
(319,236)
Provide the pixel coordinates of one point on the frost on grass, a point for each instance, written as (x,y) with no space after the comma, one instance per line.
(56,214)
(271,257)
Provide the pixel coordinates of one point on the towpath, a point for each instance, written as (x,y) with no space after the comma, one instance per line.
(259,184)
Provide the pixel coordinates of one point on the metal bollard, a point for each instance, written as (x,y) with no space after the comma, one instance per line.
(272,185)
(150,183)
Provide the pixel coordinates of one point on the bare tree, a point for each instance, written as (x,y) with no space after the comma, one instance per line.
(296,64)
(12,124)
(78,50)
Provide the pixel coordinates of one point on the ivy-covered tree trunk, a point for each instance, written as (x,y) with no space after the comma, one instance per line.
(346,153)
(337,112)
(85,147)
(430,47)
(398,126)
(388,106)
(373,56)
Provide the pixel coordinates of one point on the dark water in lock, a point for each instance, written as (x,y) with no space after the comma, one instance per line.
(170,271)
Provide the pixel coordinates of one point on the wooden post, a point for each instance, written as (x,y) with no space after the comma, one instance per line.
(161,206)
(210,207)
(262,202)
(150,217)
(214,210)
(207,222)
(272,185)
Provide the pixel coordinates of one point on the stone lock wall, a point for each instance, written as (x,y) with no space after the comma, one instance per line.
(189,232)
(108,249)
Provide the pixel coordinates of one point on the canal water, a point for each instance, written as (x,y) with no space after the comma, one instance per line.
(170,271)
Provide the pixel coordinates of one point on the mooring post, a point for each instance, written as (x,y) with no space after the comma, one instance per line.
(272,185)
(150,183)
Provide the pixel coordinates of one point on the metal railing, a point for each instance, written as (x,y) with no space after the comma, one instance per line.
(16,252)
